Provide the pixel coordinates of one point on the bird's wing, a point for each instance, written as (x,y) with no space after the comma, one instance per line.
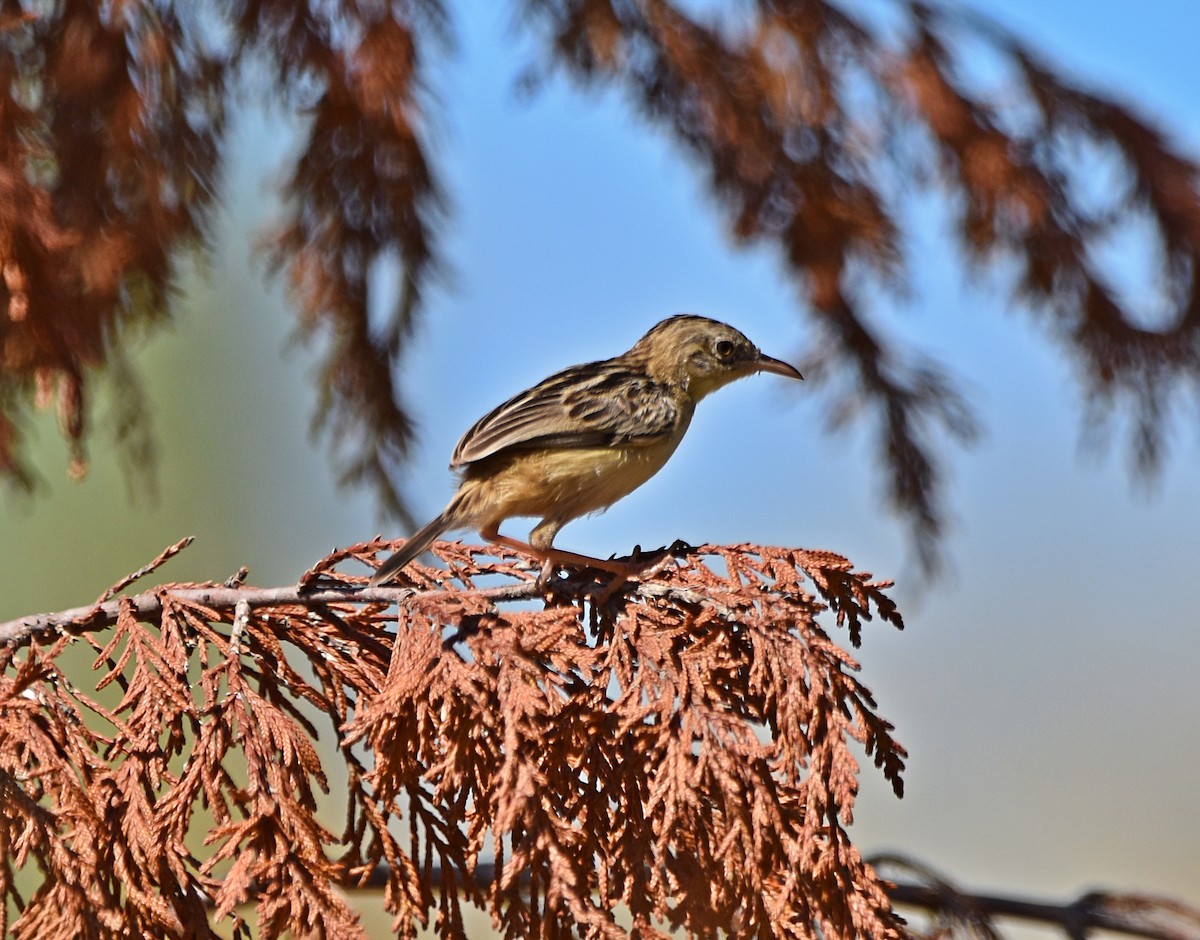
(596,405)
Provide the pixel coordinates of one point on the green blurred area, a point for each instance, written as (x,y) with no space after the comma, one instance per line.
(231,396)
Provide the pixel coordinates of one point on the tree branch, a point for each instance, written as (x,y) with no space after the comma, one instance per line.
(148,606)
(915,885)
(1131,915)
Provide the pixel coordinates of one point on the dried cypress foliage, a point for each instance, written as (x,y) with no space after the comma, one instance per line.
(113,117)
(683,752)
(812,125)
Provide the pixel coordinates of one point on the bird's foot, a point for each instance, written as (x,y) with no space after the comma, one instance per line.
(639,565)
(639,561)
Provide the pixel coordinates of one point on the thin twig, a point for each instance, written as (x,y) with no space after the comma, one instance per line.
(167,553)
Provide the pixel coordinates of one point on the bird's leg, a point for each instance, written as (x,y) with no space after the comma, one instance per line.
(539,547)
(541,540)
(559,556)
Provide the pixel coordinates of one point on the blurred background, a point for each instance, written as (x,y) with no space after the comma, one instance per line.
(1045,685)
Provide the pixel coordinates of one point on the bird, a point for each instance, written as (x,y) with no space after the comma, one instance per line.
(585,437)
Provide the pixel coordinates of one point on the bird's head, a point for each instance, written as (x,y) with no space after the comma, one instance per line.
(701,355)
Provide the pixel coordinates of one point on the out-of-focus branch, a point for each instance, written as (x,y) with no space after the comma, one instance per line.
(363,193)
(954,912)
(1131,915)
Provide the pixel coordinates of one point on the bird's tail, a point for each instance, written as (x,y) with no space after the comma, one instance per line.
(420,540)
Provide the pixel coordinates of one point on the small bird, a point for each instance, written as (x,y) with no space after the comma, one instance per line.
(580,440)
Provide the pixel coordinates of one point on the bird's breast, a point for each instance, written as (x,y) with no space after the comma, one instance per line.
(565,483)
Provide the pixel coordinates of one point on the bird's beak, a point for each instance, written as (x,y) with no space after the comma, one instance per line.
(778,366)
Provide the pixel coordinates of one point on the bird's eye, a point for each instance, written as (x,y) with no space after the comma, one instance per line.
(724,350)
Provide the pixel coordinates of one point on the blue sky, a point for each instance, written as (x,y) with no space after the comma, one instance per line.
(1046,689)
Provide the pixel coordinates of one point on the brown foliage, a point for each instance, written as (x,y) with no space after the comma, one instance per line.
(112,119)
(809,123)
(683,748)
(107,154)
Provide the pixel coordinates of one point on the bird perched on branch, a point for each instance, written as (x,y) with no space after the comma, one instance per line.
(580,440)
